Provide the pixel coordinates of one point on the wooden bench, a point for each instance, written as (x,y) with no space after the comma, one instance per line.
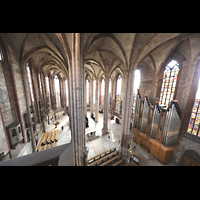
(104,158)
(41,148)
(56,136)
(46,146)
(40,142)
(110,160)
(53,136)
(45,138)
(118,162)
(98,156)
(49,138)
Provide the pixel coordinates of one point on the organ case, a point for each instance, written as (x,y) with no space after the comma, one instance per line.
(155,130)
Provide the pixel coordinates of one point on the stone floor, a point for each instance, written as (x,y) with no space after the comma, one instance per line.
(98,145)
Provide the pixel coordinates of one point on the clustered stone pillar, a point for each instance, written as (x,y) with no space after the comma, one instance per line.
(77,106)
(126,111)
(106,106)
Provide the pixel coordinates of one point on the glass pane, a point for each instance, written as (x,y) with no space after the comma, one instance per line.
(169,82)
(193,126)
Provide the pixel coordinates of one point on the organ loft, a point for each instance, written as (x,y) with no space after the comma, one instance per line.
(99,99)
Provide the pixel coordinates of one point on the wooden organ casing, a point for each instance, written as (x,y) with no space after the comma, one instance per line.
(156,130)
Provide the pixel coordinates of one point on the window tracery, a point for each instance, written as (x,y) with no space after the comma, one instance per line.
(169,82)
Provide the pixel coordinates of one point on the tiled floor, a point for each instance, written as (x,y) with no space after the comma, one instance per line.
(96,146)
(105,141)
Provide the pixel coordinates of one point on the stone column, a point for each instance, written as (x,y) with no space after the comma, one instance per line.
(77,102)
(91,98)
(126,111)
(97,101)
(106,106)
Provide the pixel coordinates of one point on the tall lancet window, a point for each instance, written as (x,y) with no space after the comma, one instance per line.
(118,93)
(67,94)
(87,90)
(48,89)
(94,90)
(102,91)
(30,82)
(57,89)
(40,83)
(137,77)
(110,86)
(170,77)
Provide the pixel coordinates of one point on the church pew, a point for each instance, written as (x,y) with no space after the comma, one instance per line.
(49,137)
(45,138)
(40,142)
(103,158)
(53,136)
(98,156)
(56,135)
(110,160)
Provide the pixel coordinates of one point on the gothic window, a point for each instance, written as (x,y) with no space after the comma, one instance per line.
(102,91)
(193,127)
(137,77)
(40,84)
(118,93)
(67,97)
(57,89)
(48,89)
(169,82)
(94,90)
(30,82)
(87,90)
(1,56)
(109,86)
(109,94)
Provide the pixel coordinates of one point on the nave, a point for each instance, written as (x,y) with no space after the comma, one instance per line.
(44,76)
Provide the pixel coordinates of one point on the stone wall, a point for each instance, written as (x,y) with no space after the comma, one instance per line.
(3,141)
(19,83)
(5,105)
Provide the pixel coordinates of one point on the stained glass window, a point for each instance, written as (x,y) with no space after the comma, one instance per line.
(193,127)
(57,89)
(169,82)
(137,77)
(118,93)
(30,82)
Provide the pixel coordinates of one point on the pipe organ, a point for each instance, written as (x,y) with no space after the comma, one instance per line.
(155,129)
